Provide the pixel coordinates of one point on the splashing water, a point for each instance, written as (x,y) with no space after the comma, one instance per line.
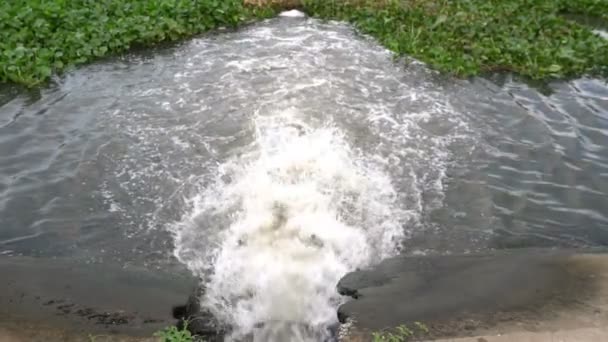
(306,208)
(328,168)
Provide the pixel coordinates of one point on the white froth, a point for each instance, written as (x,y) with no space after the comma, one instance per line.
(306,208)
(338,165)
(601,33)
(292,14)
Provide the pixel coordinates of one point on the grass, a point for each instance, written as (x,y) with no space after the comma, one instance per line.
(402,333)
(462,37)
(174,334)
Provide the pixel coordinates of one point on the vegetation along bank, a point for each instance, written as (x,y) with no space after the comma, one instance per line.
(534,38)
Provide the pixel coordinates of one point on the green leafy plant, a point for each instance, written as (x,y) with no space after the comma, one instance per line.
(596,8)
(173,334)
(469,37)
(401,333)
(39,37)
(534,38)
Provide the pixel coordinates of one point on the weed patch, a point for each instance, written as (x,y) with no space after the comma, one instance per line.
(462,37)
(468,37)
(174,334)
(39,37)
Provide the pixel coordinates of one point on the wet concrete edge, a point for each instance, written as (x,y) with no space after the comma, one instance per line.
(71,297)
(469,295)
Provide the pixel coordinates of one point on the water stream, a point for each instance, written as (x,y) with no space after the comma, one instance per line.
(272,160)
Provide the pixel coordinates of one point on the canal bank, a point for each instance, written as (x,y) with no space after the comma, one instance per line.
(66,300)
(516,295)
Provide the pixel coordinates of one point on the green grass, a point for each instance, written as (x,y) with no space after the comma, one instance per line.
(174,334)
(461,37)
(469,37)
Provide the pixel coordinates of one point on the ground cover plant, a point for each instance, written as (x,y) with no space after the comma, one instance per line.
(467,37)
(174,334)
(534,38)
(38,37)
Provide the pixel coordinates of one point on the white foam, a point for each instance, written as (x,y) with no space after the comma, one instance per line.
(601,33)
(305,209)
(279,205)
(292,14)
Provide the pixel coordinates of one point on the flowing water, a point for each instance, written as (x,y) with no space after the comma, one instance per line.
(272,160)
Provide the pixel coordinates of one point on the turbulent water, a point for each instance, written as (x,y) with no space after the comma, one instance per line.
(273,160)
(333,160)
